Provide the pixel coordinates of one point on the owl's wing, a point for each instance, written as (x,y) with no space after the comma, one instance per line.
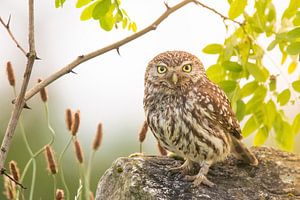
(215,101)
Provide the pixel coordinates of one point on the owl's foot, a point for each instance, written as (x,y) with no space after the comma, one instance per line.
(185,168)
(200,178)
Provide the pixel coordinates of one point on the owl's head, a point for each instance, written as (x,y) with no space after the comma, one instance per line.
(175,69)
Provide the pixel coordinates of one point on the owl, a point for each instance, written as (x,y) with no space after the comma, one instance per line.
(190,115)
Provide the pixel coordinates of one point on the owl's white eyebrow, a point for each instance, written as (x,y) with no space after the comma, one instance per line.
(186,62)
(162,63)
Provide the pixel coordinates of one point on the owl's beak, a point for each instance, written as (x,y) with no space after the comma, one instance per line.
(174,78)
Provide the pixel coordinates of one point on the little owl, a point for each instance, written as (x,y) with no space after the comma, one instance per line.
(190,115)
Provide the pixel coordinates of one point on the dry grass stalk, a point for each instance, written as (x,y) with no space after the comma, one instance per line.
(52,167)
(9,188)
(59,194)
(14,170)
(98,137)
(92,196)
(78,151)
(10,74)
(75,124)
(43,92)
(161,150)
(143,132)
(69,118)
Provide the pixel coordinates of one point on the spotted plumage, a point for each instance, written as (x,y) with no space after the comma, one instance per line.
(189,115)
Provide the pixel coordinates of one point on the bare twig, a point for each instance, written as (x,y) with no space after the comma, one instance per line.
(31,56)
(6,25)
(3,172)
(218,13)
(116,45)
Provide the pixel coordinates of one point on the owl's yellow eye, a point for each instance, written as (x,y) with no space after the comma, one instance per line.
(187,68)
(161,69)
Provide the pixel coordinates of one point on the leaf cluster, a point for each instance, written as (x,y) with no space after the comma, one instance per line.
(108,13)
(241,71)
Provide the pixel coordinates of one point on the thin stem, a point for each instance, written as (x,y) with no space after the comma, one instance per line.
(7,27)
(54,184)
(49,124)
(79,190)
(88,174)
(33,179)
(61,168)
(82,177)
(25,137)
(218,13)
(141,147)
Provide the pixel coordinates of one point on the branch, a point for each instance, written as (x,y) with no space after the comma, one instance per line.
(6,26)
(218,13)
(13,121)
(3,172)
(83,58)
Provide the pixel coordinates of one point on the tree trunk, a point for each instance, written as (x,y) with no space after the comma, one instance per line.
(277,176)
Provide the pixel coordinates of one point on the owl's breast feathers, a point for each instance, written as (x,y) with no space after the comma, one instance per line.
(215,100)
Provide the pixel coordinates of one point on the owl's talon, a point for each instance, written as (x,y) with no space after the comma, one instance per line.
(199,179)
(185,168)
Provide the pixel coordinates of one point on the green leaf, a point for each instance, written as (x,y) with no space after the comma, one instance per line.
(107,22)
(88,12)
(284,97)
(129,26)
(272,83)
(293,34)
(296,124)
(292,9)
(296,85)
(240,110)
(124,23)
(119,16)
(296,20)
(213,49)
(133,27)
(248,89)
(284,56)
(284,135)
(101,9)
(292,67)
(59,3)
(250,126)
(257,72)
(272,45)
(261,136)
(227,85)
(232,66)
(257,100)
(81,3)
(269,110)
(236,8)
(293,48)
(215,73)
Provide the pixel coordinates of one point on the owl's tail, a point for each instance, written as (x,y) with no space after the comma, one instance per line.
(242,152)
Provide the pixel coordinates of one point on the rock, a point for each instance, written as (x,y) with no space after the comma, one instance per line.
(148,177)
